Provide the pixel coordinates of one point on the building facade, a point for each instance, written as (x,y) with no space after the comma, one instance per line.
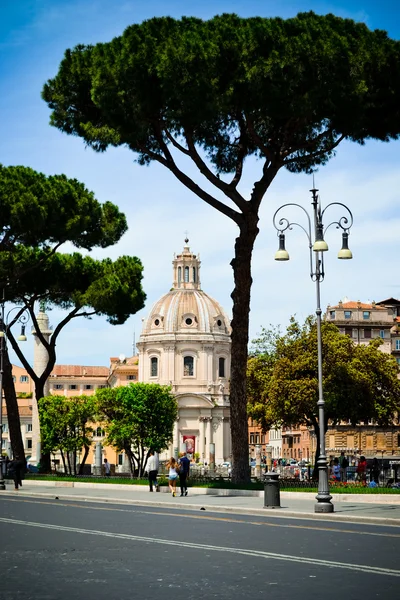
(362,322)
(185,343)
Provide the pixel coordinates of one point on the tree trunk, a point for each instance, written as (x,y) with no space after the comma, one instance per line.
(63,460)
(69,463)
(141,453)
(129,454)
(14,423)
(45,458)
(83,461)
(241,265)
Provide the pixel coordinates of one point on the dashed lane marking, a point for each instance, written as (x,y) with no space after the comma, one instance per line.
(371,570)
(208,518)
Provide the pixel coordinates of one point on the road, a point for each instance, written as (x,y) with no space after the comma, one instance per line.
(56,550)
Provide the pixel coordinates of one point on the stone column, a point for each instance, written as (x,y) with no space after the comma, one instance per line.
(142,358)
(126,467)
(208,437)
(170,450)
(202,440)
(258,461)
(40,360)
(212,456)
(268,453)
(209,375)
(227,439)
(218,438)
(98,459)
(169,364)
(176,439)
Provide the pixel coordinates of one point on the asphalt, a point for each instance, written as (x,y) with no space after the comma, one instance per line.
(380,509)
(57,550)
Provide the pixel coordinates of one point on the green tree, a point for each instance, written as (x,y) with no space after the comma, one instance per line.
(66,426)
(360,382)
(83,287)
(217,92)
(138,417)
(38,213)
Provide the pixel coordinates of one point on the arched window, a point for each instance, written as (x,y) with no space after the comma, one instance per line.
(188,366)
(153,366)
(186,274)
(221,367)
(179,274)
(194,274)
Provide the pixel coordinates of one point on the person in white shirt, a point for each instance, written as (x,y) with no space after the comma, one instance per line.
(107,468)
(152,469)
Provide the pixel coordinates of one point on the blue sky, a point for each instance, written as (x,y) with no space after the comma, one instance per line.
(33,37)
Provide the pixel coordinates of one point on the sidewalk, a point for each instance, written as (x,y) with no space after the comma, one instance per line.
(382,510)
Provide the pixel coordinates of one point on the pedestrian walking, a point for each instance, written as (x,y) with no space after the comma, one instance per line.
(16,469)
(184,469)
(152,468)
(375,471)
(172,475)
(107,468)
(344,463)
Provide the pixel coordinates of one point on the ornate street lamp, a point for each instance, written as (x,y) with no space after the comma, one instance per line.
(22,318)
(317,247)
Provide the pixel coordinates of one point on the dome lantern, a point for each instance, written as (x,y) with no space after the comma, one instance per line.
(186,270)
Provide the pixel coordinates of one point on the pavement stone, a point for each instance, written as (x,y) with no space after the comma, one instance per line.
(385,510)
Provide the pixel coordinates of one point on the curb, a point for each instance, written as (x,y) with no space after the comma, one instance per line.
(337,498)
(270,512)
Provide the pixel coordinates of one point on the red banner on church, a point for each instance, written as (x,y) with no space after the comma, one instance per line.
(190,443)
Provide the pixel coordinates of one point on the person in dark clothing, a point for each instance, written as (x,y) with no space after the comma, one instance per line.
(16,469)
(184,468)
(375,470)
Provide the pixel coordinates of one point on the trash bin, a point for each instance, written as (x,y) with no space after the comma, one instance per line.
(272,498)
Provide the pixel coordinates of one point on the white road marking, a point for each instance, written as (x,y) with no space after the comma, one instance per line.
(192,545)
(230,519)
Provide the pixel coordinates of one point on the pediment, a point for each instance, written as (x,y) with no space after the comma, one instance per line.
(194,401)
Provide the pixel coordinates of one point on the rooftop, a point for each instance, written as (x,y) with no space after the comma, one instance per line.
(358,305)
(79,371)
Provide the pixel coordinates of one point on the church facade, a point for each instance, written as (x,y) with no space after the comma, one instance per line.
(185,343)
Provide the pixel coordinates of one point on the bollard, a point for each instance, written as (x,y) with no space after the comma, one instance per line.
(272,497)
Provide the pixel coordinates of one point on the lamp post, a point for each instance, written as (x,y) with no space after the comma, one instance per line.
(3,337)
(317,246)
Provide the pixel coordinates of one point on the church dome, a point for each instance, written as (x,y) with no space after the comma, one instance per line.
(186,309)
